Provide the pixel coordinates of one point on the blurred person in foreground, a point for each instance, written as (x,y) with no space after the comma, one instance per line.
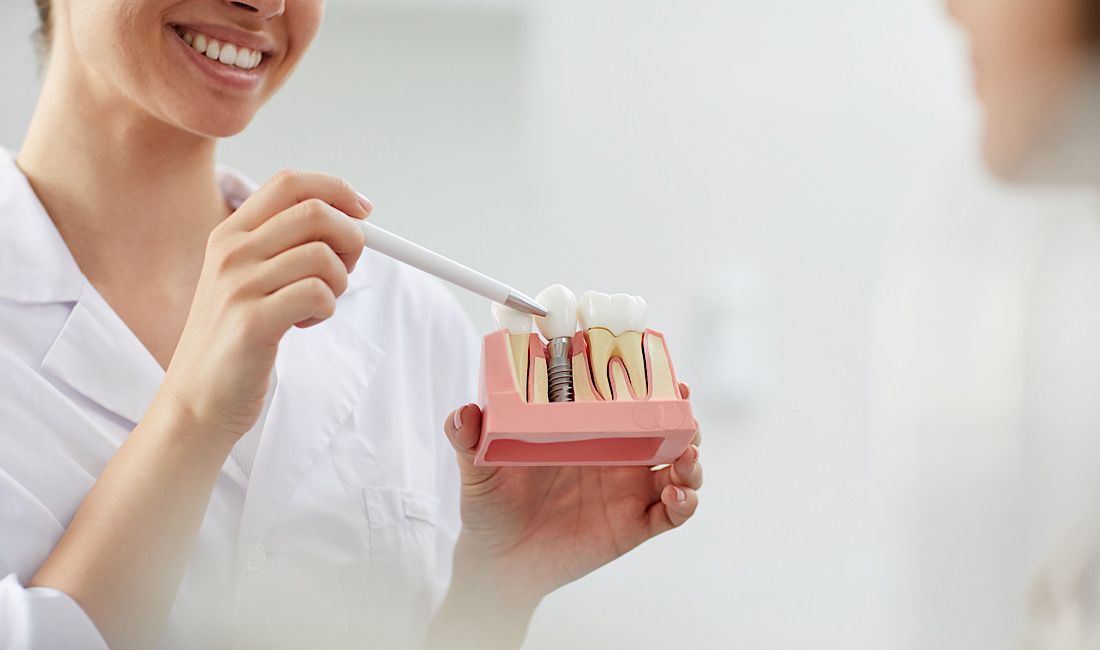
(1007,310)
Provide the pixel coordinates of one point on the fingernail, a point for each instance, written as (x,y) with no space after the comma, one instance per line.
(694,455)
(365,202)
(458,418)
(681,496)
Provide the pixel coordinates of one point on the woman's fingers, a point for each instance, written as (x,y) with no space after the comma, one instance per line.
(463,429)
(676,506)
(686,472)
(685,393)
(313,259)
(311,220)
(289,188)
(305,302)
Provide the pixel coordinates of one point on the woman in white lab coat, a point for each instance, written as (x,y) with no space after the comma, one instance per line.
(220,424)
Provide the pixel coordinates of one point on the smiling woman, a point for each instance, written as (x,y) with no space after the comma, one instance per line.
(220,426)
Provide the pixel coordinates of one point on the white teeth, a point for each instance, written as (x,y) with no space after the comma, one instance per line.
(614,327)
(226,53)
(561,317)
(516,322)
(619,313)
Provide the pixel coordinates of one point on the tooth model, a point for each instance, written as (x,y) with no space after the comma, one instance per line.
(518,325)
(540,405)
(558,327)
(613,327)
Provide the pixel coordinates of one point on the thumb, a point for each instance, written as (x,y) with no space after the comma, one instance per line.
(463,429)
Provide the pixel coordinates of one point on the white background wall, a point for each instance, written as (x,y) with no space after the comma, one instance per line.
(734,161)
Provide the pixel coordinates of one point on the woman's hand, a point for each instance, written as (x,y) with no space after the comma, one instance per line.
(530,530)
(280,260)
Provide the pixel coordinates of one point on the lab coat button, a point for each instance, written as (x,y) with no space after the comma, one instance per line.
(258,559)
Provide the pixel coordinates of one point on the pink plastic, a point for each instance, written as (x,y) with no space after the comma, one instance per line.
(621,432)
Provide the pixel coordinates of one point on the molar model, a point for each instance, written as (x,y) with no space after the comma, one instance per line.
(623,407)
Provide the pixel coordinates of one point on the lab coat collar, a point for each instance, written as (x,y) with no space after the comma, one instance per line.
(35,263)
(100,357)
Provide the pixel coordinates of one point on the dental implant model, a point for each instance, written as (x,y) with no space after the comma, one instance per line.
(604,395)
(518,325)
(558,326)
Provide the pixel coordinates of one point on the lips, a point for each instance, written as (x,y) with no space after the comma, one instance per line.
(222,51)
(225,76)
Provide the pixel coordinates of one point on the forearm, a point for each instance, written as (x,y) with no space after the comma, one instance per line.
(125,551)
(474,613)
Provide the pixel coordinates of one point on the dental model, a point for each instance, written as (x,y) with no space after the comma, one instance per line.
(606,395)
(518,325)
(558,326)
(613,327)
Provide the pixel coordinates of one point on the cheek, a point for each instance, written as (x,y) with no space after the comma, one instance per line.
(303,21)
(115,39)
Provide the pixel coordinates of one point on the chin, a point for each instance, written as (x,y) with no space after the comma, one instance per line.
(215,123)
(1001,163)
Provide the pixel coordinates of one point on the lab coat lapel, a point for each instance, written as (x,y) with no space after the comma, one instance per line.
(97,355)
(322,373)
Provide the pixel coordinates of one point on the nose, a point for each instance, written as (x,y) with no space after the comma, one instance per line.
(261,8)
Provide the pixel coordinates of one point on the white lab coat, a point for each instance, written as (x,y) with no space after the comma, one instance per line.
(986,378)
(341,536)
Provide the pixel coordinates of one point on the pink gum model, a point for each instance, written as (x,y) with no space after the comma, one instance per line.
(620,432)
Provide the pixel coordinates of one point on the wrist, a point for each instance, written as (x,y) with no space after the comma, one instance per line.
(479,610)
(476,569)
(179,421)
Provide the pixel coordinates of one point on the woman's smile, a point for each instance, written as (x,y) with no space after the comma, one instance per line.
(230,58)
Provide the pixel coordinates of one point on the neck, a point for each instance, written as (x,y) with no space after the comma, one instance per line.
(125,188)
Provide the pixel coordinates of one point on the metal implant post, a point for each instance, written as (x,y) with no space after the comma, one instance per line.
(559,369)
(558,327)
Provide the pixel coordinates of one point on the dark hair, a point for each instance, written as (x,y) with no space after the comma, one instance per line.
(1092,18)
(45,31)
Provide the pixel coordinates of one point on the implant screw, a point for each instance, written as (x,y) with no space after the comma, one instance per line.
(559,370)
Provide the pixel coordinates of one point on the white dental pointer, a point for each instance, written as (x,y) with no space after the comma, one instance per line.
(417,256)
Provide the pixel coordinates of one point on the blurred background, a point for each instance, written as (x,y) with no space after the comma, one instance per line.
(793,187)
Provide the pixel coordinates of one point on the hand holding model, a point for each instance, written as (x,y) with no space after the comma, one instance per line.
(529,530)
(280,260)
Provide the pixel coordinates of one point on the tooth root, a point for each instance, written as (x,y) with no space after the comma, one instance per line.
(629,348)
(620,385)
(582,380)
(540,393)
(601,345)
(663,385)
(518,349)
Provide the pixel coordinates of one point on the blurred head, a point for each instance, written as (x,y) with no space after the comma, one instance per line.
(137,50)
(1030,60)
